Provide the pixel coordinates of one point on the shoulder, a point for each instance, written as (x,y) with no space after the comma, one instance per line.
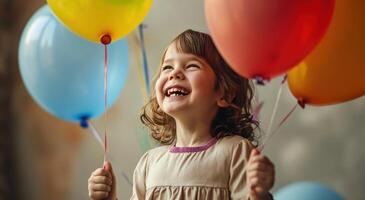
(234,141)
(155,152)
(150,155)
(158,150)
(234,145)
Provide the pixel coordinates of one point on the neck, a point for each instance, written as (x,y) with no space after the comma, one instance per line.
(194,128)
(192,134)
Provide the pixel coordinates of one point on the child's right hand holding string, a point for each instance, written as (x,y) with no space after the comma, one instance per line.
(102,184)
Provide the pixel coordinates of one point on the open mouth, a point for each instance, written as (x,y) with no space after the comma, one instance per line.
(176,91)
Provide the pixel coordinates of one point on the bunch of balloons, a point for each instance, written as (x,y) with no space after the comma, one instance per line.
(61,70)
(263,39)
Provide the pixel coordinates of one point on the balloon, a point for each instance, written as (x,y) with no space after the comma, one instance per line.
(65,73)
(307,191)
(92,19)
(266,38)
(334,72)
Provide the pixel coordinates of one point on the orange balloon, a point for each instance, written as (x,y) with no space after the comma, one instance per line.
(335,71)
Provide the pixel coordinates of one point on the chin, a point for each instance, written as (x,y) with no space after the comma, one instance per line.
(171,110)
(174,110)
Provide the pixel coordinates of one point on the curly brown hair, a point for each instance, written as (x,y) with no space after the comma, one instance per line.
(236,119)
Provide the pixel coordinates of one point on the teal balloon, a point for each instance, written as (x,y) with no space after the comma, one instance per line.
(65,73)
(307,191)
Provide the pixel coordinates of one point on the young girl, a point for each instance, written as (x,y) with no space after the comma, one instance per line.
(201,114)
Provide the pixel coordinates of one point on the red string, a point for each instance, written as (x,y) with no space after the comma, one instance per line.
(105,98)
(270,135)
(287,116)
(256,111)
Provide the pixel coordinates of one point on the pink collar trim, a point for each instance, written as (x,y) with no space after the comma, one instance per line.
(175,149)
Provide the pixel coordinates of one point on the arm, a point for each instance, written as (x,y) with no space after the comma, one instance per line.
(139,179)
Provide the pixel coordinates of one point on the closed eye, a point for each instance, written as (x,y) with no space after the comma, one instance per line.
(193,66)
(167,67)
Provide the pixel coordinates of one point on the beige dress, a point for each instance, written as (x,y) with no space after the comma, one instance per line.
(211,171)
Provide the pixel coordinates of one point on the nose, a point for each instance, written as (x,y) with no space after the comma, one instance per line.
(176,74)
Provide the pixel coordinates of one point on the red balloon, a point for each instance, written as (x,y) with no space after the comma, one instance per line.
(264,38)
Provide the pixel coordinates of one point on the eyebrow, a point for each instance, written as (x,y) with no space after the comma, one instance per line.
(192,58)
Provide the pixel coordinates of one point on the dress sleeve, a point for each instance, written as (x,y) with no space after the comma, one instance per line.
(237,180)
(139,179)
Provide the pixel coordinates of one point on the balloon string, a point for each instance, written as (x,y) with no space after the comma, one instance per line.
(261,147)
(105,99)
(139,68)
(144,55)
(270,135)
(269,132)
(285,118)
(255,116)
(256,111)
(96,135)
(273,114)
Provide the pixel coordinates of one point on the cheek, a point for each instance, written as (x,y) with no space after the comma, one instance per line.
(158,89)
(206,85)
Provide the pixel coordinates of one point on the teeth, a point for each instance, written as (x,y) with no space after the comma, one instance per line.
(176,92)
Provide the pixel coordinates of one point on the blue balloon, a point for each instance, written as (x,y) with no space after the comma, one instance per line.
(65,73)
(307,191)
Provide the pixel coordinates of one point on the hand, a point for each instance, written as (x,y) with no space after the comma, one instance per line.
(102,183)
(260,176)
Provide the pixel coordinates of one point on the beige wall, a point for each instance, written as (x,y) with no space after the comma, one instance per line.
(56,158)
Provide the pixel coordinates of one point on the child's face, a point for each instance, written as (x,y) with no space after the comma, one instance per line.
(186,85)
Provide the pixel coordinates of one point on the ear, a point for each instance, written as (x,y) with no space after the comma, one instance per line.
(222,103)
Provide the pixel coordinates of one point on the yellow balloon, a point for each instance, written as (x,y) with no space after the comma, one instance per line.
(93,19)
(335,71)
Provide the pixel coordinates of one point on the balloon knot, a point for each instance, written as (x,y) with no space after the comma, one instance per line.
(84,123)
(106,39)
(302,103)
(261,80)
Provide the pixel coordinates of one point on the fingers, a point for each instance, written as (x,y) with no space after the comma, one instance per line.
(258,177)
(100,184)
(98,191)
(258,193)
(100,187)
(259,162)
(101,172)
(96,195)
(259,166)
(108,167)
(254,152)
(263,183)
(101,176)
(253,194)
(260,173)
(256,156)
(101,180)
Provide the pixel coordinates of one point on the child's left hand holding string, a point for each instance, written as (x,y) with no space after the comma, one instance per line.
(260,176)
